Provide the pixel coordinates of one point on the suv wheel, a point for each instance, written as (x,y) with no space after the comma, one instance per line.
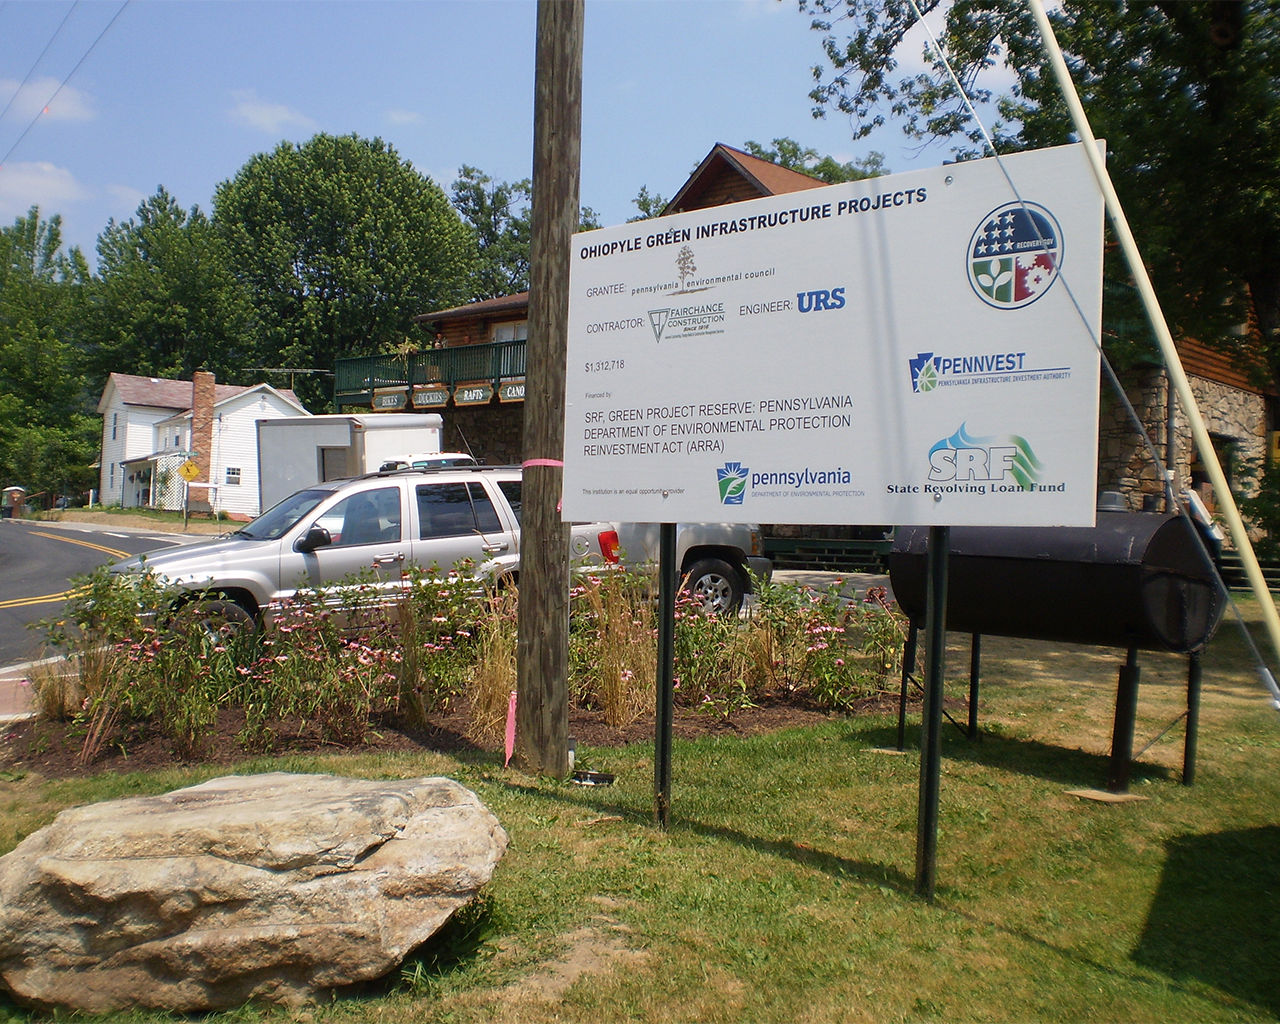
(715,585)
(216,618)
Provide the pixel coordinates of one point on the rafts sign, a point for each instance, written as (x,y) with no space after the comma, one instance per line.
(912,349)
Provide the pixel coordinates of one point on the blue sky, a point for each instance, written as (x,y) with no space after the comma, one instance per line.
(181,94)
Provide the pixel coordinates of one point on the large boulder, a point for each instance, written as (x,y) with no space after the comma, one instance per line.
(276,887)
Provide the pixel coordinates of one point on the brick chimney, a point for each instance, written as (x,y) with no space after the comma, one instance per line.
(203,393)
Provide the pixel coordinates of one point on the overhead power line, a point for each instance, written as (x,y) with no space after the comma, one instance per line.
(63,84)
(36,63)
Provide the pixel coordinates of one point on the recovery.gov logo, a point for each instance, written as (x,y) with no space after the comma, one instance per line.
(1014,255)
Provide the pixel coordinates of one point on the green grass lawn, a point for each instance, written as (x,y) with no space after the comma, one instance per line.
(784,888)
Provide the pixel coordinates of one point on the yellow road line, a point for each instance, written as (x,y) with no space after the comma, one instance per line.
(83,543)
(23,602)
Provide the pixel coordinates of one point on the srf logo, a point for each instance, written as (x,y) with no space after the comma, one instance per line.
(732,479)
(965,458)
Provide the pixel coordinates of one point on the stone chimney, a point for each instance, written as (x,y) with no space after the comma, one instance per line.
(203,394)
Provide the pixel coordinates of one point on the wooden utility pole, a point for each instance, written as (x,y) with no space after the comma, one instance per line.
(542,708)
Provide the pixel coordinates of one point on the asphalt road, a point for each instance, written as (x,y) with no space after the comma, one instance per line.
(37,563)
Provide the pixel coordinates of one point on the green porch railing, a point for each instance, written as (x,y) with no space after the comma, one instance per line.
(356,378)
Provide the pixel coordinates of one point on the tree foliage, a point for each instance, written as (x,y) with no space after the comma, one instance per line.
(166,302)
(498,213)
(790,154)
(649,204)
(338,244)
(1187,96)
(48,433)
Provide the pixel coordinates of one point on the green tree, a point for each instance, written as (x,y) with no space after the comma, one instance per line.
(167,302)
(48,429)
(339,244)
(650,205)
(790,154)
(498,213)
(1187,96)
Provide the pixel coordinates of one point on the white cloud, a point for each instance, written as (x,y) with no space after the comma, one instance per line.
(24,185)
(403,117)
(37,98)
(271,118)
(124,200)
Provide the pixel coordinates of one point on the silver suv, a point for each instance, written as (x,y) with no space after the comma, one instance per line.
(381,522)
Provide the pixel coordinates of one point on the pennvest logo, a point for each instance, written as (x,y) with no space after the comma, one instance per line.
(1015,255)
(924,374)
(732,480)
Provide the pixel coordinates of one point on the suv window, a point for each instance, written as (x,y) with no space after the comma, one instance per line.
(367,517)
(455,509)
(283,516)
(511,491)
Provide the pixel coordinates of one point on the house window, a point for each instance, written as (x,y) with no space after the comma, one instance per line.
(111,481)
(176,440)
(511,332)
(233,474)
(114,417)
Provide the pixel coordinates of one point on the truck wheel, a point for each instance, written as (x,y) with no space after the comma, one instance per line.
(715,585)
(216,618)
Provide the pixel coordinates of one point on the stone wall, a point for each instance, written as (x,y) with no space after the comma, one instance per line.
(1236,420)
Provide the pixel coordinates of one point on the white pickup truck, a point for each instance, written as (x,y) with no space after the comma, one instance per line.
(717,560)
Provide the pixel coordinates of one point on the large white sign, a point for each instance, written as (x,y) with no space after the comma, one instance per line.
(912,349)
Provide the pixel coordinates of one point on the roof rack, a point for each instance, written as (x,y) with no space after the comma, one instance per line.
(433,470)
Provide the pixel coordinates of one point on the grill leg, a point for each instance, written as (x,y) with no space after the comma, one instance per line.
(1126,718)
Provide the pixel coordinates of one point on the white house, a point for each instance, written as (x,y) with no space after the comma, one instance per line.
(148,435)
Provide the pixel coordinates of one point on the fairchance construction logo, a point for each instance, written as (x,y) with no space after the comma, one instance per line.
(1015,255)
(687,321)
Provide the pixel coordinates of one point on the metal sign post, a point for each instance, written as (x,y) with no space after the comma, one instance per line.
(667,584)
(935,629)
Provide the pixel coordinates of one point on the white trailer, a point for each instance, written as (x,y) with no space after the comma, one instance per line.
(296,452)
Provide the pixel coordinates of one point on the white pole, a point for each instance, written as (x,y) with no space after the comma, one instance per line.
(1177,377)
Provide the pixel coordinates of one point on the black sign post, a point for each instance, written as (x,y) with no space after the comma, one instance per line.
(935,629)
(667,584)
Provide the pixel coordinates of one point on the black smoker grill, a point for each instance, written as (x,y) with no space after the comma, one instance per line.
(1136,580)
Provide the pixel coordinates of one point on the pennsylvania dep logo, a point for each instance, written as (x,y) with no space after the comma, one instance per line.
(1015,255)
(732,479)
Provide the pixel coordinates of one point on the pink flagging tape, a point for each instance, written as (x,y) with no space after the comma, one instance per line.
(511,729)
(545,462)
